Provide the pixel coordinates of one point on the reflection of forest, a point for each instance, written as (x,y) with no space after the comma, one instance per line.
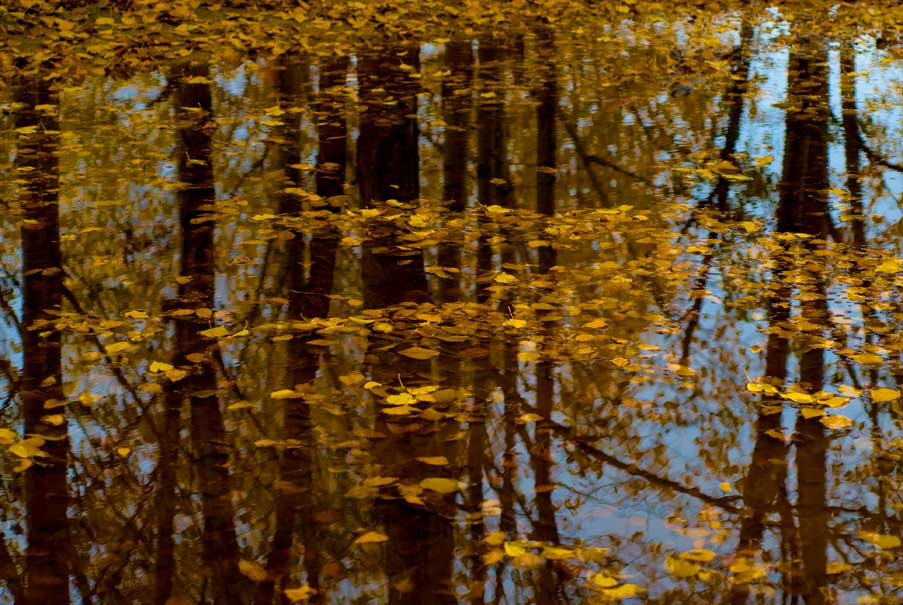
(500,318)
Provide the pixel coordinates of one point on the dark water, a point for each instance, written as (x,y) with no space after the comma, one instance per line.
(554,314)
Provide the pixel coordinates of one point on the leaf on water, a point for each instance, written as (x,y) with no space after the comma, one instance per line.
(808,413)
(505,278)
(53,419)
(681,568)
(286,394)
(797,397)
(624,591)
(119,347)
(419,353)
(836,421)
(7,436)
(530,417)
(401,399)
(379,481)
(867,358)
(890,265)
(528,560)
(883,394)
(836,567)
(217,332)
(442,485)
(371,537)
(515,323)
(493,556)
(882,541)
(496,538)
(302,593)
(433,460)
(603,580)
(725,487)
(252,570)
(701,555)
(555,553)
(159,366)
(399,410)
(136,314)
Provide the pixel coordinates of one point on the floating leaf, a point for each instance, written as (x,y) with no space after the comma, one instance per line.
(700,555)
(217,332)
(159,366)
(836,421)
(286,394)
(419,353)
(493,556)
(883,394)
(603,581)
(252,570)
(7,436)
(882,541)
(624,591)
(681,568)
(371,537)
(136,314)
(505,278)
(119,347)
(302,593)
(514,549)
(530,417)
(442,485)
(433,460)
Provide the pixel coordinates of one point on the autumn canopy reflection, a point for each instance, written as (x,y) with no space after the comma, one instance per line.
(476,302)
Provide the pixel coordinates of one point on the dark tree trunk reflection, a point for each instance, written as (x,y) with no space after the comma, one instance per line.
(47,498)
(196,197)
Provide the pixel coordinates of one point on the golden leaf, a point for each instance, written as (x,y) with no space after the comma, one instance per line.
(882,394)
(681,568)
(442,485)
(433,460)
(419,353)
(371,537)
(836,421)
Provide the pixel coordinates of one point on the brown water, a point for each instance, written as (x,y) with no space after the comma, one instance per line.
(397,306)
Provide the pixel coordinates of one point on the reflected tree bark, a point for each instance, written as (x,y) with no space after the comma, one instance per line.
(803,208)
(308,297)
(420,552)
(47,496)
(196,197)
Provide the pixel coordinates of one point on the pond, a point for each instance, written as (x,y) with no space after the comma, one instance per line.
(451,302)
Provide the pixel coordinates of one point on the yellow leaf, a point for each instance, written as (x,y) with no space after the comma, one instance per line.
(401,399)
(531,417)
(252,570)
(371,537)
(240,405)
(433,460)
(176,375)
(596,324)
(216,332)
(890,265)
(118,347)
(749,226)
(513,549)
(836,567)
(399,410)
(286,394)
(554,553)
(496,538)
(136,314)
(53,419)
(882,541)
(515,323)
(7,436)
(419,353)
(302,593)
(442,485)
(680,568)
(528,560)
(836,421)
(624,591)
(493,556)
(808,413)
(603,581)
(882,394)
(28,448)
(123,451)
(798,397)
(701,555)
(505,278)
(160,366)
(379,481)
(725,487)
(867,358)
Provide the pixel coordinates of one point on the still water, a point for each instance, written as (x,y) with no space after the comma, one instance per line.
(380,306)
